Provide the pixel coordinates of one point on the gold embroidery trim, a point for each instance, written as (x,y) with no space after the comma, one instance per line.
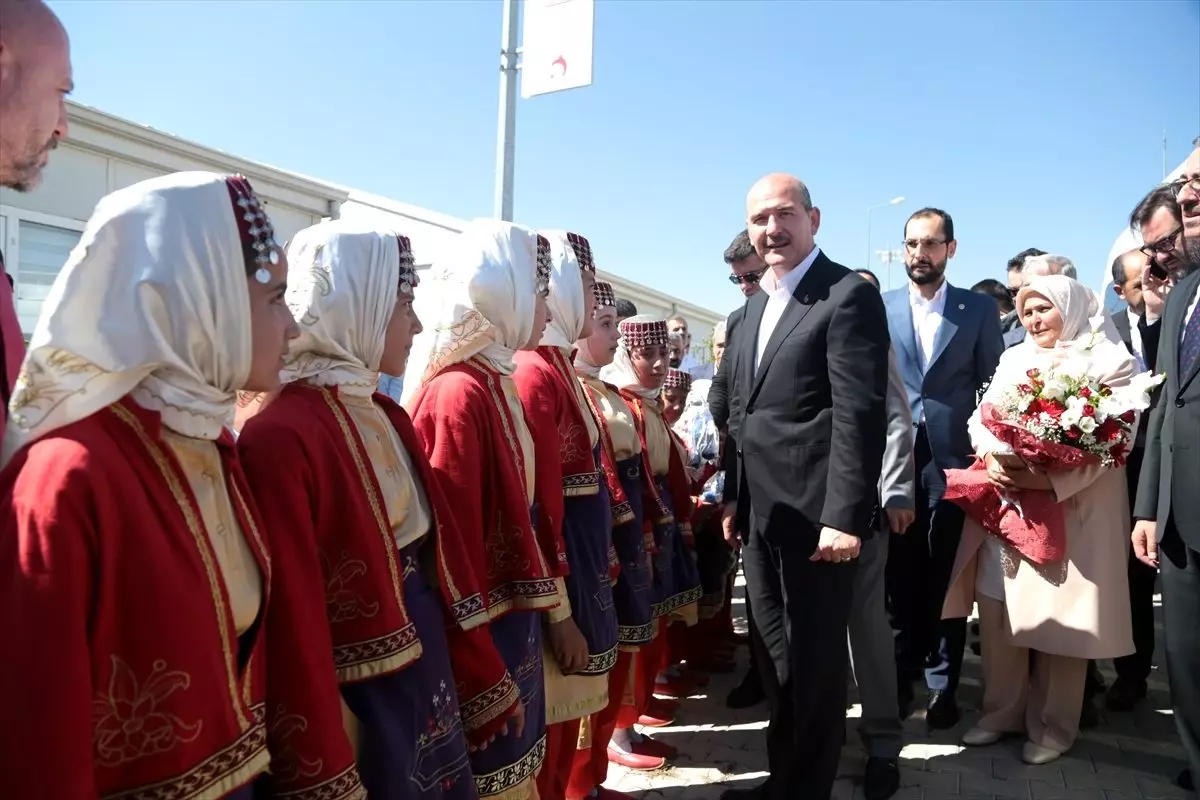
(508,783)
(344,786)
(196,528)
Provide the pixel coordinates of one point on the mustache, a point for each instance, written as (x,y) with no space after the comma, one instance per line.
(779,241)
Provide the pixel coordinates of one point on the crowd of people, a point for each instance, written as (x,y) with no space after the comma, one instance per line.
(236,561)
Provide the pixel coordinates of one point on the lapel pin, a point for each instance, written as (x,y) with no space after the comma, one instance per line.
(961,307)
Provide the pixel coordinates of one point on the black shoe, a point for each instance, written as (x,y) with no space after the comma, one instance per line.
(1184,781)
(746,694)
(1123,695)
(941,711)
(1089,715)
(882,778)
(904,696)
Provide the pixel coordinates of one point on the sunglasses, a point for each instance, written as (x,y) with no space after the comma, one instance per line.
(749,278)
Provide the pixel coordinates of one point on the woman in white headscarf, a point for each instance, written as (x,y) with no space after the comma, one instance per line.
(133,569)
(621,467)
(485,300)
(574,510)
(362,541)
(1059,615)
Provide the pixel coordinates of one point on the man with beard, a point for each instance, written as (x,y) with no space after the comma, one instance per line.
(1159,218)
(35,78)
(1167,534)
(947,342)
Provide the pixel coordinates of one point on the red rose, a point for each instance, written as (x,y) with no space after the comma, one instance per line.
(1072,432)
(1088,411)
(1033,373)
(1085,391)
(1129,416)
(1025,388)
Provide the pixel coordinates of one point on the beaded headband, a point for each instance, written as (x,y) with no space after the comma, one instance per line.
(254,227)
(583,252)
(677,379)
(409,279)
(543,265)
(605,297)
(644,334)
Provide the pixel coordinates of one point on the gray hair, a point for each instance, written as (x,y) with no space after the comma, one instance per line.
(1049,264)
(719,330)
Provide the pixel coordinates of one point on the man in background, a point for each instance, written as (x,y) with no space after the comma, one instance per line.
(1160,220)
(998,292)
(746,267)
(869,277)
(1139,329)
(947,343)
(35,79)
(625,310)
(1010,327)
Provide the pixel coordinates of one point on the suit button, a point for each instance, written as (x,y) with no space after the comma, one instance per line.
(1179,402)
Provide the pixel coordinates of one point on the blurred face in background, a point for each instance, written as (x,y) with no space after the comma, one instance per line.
(1131,289)
(673,401)
(601,345)
(718,346)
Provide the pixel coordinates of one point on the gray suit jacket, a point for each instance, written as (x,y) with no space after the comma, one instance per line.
(1171,467)
(896,488)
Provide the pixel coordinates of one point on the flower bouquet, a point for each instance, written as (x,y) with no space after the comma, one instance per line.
(1059,418)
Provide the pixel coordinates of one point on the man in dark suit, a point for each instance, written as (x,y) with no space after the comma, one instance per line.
(746,267)
(808,386)
(1167,534)
(947,343)
(1139,328)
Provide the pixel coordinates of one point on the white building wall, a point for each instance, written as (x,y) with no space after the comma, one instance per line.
(105,153)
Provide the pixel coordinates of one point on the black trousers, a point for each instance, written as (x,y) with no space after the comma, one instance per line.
(1136,666)
(919,567)
(1180,567)
(801,609)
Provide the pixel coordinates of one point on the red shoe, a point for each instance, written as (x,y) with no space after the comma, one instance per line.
(653,747)
(634,761)
(649,720)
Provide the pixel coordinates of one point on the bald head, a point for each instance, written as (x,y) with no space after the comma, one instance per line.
(35,78)
(781,221)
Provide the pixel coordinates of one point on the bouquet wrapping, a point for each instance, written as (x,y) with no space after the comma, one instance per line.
(1059,418)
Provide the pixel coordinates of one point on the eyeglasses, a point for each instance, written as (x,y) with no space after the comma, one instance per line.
(1179,184)
(748,278)
(1163,246)
(912,244)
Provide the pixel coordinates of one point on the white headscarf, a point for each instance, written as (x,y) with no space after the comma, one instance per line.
(343,278)
(1082,313)
(566,301)
(479,300)
(153,302)
(620,372)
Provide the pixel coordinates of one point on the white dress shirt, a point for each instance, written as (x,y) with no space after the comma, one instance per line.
(778,291)
(927,318)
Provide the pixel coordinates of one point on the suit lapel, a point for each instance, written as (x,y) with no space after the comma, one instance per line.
(953,315)
(798,305)
(903,328)
(1121,323)
(748,342)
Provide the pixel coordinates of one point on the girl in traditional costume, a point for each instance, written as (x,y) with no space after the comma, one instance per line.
(366,551)
(134,576)
(621,468)
(485,300)
(574,504)
(639,370)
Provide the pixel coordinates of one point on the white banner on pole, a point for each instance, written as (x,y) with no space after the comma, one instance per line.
(556,53)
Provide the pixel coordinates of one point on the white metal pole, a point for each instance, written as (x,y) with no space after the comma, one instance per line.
(506,125)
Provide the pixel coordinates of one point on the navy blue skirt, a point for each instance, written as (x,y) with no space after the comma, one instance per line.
(411,738)
(676,577)
(633,593)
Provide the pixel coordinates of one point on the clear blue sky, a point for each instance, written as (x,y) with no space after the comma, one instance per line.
(1033,123)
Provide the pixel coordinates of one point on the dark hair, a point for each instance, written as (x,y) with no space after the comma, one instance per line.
(871,276)
(1018,261)
(1161,197)
(1118,267)
(739,249)
(929,211)
(995,290)
(625,308)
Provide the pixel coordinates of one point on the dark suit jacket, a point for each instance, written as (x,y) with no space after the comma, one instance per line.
(966,349)
(1149,335)
(811,421)
(1167,489)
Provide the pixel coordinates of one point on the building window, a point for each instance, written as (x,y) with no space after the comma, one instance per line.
(42,251)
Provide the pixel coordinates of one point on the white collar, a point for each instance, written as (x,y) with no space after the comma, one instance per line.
(790,279)
(937,301)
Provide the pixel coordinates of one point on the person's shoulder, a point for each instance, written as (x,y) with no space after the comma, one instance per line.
(90,453)
(973,301)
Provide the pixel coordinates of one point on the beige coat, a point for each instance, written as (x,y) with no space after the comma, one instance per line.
(1085,613)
